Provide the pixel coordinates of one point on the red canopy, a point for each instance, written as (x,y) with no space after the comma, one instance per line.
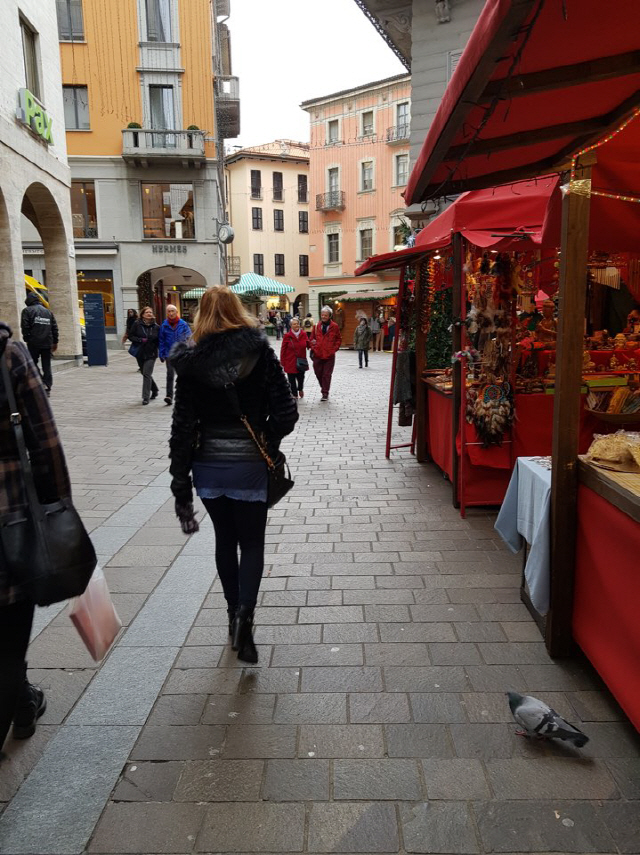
(503,218)
(533,86)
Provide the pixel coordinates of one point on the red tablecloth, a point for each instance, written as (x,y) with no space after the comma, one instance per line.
(599,357)
(607,595)
(440,412)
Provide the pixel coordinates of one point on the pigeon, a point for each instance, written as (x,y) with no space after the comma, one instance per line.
(540,720)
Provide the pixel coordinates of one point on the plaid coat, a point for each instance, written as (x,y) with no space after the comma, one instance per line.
(41,436)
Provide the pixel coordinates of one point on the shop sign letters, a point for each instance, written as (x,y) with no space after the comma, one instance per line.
(33,114)
(168,247)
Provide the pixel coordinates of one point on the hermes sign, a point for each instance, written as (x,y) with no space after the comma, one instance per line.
(168,247)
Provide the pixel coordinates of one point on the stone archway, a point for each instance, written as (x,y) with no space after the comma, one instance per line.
(159,286)
(41,209)
(11,289)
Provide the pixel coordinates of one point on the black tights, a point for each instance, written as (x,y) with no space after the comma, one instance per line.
(239,525)
(15,629)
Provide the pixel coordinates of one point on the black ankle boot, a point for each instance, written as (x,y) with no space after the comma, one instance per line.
(242,635)
(31,705)
(231,613)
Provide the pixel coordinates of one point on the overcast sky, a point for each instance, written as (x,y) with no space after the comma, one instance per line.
(288,51)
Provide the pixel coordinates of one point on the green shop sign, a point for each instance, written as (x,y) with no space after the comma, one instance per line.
(33,114)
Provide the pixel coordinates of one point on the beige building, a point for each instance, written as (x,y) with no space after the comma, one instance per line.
(268,206)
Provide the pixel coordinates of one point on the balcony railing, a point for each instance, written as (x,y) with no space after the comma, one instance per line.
(234,267)
(398,134)
(146,145)
(334,200)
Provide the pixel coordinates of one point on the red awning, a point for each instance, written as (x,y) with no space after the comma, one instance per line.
(389,260)
(538,80)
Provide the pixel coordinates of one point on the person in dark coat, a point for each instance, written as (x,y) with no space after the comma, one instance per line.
(172,330)
(226,369)
(132,317)
(20,702)
(40,333)
(294,347)
(361,342)
(144,334)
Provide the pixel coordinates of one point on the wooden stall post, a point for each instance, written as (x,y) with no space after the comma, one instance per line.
(457,390)
(566,408)
(388,446)
(421,364)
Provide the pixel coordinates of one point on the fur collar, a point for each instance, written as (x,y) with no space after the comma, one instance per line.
(220,358)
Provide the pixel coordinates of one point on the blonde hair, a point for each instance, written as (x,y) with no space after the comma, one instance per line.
(220,310)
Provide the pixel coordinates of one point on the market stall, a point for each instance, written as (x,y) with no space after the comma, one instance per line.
(537,86)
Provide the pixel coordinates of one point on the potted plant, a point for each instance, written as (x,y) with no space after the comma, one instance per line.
(133,125)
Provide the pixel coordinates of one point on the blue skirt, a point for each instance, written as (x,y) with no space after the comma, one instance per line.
(244,481)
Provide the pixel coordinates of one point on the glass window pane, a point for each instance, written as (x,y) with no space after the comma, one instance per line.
(332,131)
(334,179)
(303,222)
(30,58)
(76,19)
(258,264)
(83,209)
(158,20)
(302,188)
(168,211)
(366,243)
(304,265)
(99,282)
(367,123)
(333,242)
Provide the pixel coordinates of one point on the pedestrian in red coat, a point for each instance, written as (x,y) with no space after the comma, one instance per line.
(325,343)
(293,356)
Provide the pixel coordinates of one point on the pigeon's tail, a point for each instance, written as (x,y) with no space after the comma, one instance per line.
(574,735)
(578,739)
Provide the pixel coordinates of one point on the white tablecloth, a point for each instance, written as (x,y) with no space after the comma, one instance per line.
(525,515)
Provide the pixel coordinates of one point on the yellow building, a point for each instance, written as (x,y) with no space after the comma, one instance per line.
(268,205)
(149,98)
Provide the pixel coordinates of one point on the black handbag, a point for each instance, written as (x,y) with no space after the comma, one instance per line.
(302,364)
(45,549)
(279,475)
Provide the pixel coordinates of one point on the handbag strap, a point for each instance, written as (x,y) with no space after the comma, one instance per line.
(16,422)
(232,394)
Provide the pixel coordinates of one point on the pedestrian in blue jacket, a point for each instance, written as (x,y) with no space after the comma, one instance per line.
(173,329)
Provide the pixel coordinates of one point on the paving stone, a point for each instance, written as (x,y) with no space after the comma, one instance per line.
(288,634)
(379,596)
(178,742)
(58,645)
(378,707)
(435,679)
(480,631)
(496,678)
(341,741)
(272,828)
(178,709)
(296,781)
(452,612)
(20,757)
(484,741)
(345,633)
(626,773)
(147,828)
(387,614)
(366,827)
(239,709)
(396,654)
(62,688)
(284,598)
(355,582)
(148,782)
(331,614)
(521,653)
(595,706)
(146,555)
(417,740)
(344,679)
(437,707)
(260,741)
(438,827)
(612,739)
(455,779)
(417,632)
(220,781)
(317,654)
(321,708)
(623,821)
(325,598)
(454,654)
(305,583)
(518,631)
(376,780)
(550,778)
(133,580)
(229,681)
(542,826)
(205,657)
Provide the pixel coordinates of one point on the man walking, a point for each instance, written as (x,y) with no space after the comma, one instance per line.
(172,330)
(325,343)
(40,334)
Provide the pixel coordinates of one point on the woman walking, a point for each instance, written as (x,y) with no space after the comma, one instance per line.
(132,317)
(226,369)
(361,341)
(20,702)
(144,334)
(293,356)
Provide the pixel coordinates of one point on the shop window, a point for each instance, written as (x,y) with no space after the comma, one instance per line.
(333,248)
(168,212)
(402,169)
(256,219)
(304,265)
(258,263)
(30,58)
(278,191)
(278,220)
(83,209)
(303,189)
(279,264)
(366,175)
(99,282)
(76,108)
(303,222)
(158,20)
(70,20)
(366,243)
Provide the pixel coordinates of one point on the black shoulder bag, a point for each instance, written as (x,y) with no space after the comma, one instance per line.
(280,481)
(45,549)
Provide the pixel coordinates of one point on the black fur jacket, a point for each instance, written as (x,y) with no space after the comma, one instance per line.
(206,423)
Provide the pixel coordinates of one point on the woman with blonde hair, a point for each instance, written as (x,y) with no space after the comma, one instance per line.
(226,369)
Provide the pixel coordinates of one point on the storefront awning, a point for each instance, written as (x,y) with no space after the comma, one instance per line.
(193,294)
(538,81)
(253,283)
(364,296)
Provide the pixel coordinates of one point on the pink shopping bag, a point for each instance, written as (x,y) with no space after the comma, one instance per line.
(94,616)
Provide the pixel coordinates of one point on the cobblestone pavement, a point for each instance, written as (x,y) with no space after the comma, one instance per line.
(388,630)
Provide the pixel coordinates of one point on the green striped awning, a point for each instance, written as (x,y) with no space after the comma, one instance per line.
(193,294)
(253,283)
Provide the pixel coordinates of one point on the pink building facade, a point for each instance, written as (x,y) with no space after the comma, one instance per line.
(359,167)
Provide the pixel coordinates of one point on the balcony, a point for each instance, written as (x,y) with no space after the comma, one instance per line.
(234,266)
(398,134)
(146,147)
(334,200)
(227,92)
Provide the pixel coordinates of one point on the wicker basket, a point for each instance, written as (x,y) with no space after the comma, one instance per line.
(615,418)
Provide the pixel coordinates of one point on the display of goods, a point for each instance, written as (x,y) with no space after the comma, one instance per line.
(492,412)
(620,451)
